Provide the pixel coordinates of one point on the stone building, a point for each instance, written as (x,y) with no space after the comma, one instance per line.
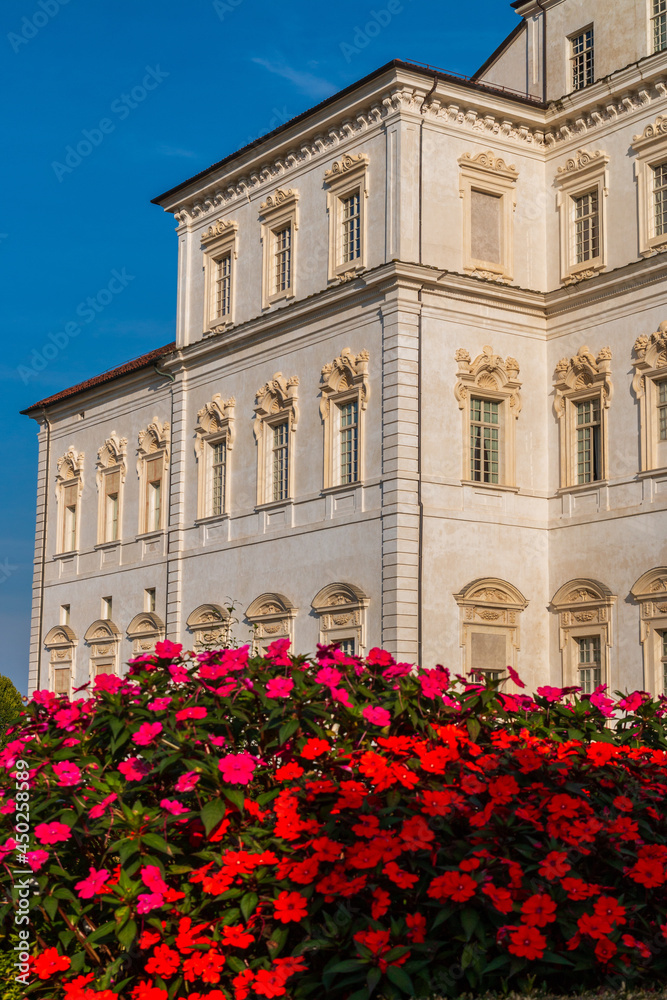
(418,391)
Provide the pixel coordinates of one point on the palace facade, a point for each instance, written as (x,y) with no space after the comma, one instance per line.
(417,396)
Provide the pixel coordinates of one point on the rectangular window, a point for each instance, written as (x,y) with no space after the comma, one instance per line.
(280,460)
(347,646)
(589,457)
(659,24)
(107,607)
(488,652)
(223,286)
(586,227)
(218,476)
(282,260)
(663,650)
(103,668)
(149,599)
(154,467)
(662,409)
(583,69)
(349,442)
(484,440)
(61,678)
(590,665)
(64,614)
(660,198)
(351,227)
(111,494)
(485,223)
(70,499)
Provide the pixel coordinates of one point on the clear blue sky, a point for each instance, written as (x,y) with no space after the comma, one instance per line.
(222,73)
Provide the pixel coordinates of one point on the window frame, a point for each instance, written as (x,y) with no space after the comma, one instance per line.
(144,631)
(211,626)
(488,174)
(584,173)
(490,606)
(279,211)
(584,609)
(652,18)
(649,361)
(219,241)
(572,39)
(103,638)
(153,447)
(650,593)
(341,609)
(276,404)
(215,425)
(110,462)
(69,478)
(271,617)
(346,177)
(578,380)
(343,380)
(650,149)
(61,642)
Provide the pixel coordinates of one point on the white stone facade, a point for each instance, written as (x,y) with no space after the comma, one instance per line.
(430,262)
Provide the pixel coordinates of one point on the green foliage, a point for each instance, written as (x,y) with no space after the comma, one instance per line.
(11,706)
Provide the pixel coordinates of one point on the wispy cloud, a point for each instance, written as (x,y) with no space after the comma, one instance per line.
(307,83)
(188,154)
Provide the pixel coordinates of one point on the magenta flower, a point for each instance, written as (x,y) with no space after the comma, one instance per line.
(158,704)
(279,687)
(7,848)
(89,887)
(179,674)
(193,712)
(217,741)
(151,876)
(329,676)
(100,808)
(148,901)
(341,695)
(187,781)
(376,716)
(515,677)
(108,682)
(605,705)
(52,833)
(146,733)
(167,649)
(133,769)
(173,806)
(67,774)
(277,652)
(550,693)
(8,807)
(632,701)
(237,768)
(36,859)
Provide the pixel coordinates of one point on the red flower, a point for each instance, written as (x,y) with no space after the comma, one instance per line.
(376,941)
(452,885)
(380,905)
(610,909)
(555,865)
(527,942)
(594,925)
(577,889)
(416,834)
(623,803)
(241,984)
(50,962)
(605,950)
(501,898)
(503,789)
(163,962)
(539,910)
(269,982)
(314,747)
(564,806)
(399,877)
(416,923)
(290,906)
(649,872)
(289,771)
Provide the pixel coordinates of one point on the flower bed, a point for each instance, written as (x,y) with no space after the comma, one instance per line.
(238,828)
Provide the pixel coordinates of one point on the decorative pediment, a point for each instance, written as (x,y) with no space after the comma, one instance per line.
(348,371)
(651,585)
(488,373)
(583,161)
(270,606)
(154,438)
(491,591)
(103,630)
(581,591)
(278,394)
(490,163)
(60,637)
(279,201)
(112,452)
(652,132)
(70,465)
(148,623)
(650,355)
(584,371)
(208,615)
(219,230)
(339,595)
(216,416)
(586,604)
(348,165)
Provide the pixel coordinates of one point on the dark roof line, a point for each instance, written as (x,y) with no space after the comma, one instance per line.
(499,51)
(144,361)
(422,68)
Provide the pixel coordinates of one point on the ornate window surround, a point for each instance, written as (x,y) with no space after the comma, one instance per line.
(276,403)
(110,461)
(153,444)
(217,241)
(215,424)
(650,592)
(582,173)
(279,210)
(650,365)
(489,174)
(103,637)
(651,150)
(584,608)
(341,609)
(61,643)
(577,380)
(491,607)
(490,377)
(210,625)
(70,473)
(343,380)
(345,177)
(272,616)
(144,631)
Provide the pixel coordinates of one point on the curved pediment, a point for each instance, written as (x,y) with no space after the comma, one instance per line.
(146,623)
(60,635)
(102,629)
(651,584)
(491,590)
(206,615)
(339,595)
(270,605)
(581,591)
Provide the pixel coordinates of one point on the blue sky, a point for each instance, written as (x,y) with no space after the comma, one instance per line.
(177,85)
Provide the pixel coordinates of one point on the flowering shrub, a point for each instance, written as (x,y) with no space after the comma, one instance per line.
(233,828)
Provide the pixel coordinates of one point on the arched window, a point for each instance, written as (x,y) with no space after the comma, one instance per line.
(272,616)
(103,638)
(489,612)
(650,592)
(341,609)
(584,609)
(210,625)
(144,631)
(61,644)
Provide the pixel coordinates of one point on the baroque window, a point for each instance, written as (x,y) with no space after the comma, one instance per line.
(219,244)
(489,611)
(279,221)
(582,188)
(488,395)
(144,631)
(61,644)
(582,62)
(210,625)
(487,186)
(103,638)
(271,617)
(152,463)
(583,391)
(69,487)
(341,609)
(276,417)
(584,609)
(651,173)
(215,439)
(658,25)
(111,470)
(345,391)
(650,592)
(347,191)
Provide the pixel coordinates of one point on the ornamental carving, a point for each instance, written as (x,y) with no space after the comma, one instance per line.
(650,355)
(210,625)
(582,371)
(488,372)
(216,416)
(278,394)
(112,452)
(271,615)
(154,438)
(488,161)
(652,131)
(348,371)
(349,162)
(70,465)
(480,593)
(220,229)
(582,160)
(144,631)
(348,620)
(278,200)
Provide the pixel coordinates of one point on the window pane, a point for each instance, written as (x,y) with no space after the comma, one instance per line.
(586,227)
(280,461)
(349,443)
(282,275)
(583,70)
(659,19)
(111,514)
(351,227)
(223,286)
(660,199)
(218,474)
(485,217)
(589,442)
(590,667)
(347,646)
(61,679)
(484,440)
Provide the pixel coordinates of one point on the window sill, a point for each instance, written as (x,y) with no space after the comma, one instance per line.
(651,473)
(341,488)
(213,519)
(218,326)
(582,487)
(275,504)
(582,272)
(66,555)
(495,487)
(108,545)
(273,300)
(146,536)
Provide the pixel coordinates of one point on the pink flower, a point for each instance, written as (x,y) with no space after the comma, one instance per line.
(604,704)
(46,698)
(108,682)
(36,859)
(329,676)
(515,677)
(166,650)
(8,807)
(376,716)
(380,658)
(52,833)
(632,701)
(147,732)
(148,901)
(173,806)
(67,774)
(237,769)
(179,674)
(279,687)
(397,670)
(217,741)
(277,652)
(341,695)
(550,693)
(151,876)
(193,712)
(67,717)
(91,886)
(133,769)
(159,704)
(434,683)
(187,781)
(7,848)
(100,808)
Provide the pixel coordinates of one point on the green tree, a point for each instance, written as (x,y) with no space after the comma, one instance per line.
(11,704)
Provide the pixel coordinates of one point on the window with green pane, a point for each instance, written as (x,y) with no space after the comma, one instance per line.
(659,24)
(349,442)
(218,476)
(590,664)
(589,441)
(484,440)
(280,461)
(662,409)
(663,657)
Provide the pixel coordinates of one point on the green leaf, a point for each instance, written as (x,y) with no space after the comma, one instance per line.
(287,730)
(497,963)
(276,943)
(469,919)
(549,956)
(157,842)
(474,729)
(400,978)
(372,979)
(127,934)
(51,905)
(235,963)
(248,904)
(212,813)
(235,796)
(349,965)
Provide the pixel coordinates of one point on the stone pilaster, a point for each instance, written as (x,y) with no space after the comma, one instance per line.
(35,678)
(176,523)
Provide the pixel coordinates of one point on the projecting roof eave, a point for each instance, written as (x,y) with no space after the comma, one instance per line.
(430,73)
(144,361)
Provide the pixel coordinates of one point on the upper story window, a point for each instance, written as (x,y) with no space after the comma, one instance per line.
(279,473)
(586,212)
(582,59)
(279,219)
(214,430)
(487,186)
(69,488)
(276,417)
(663,660)
(484,440)
(349,441)
(659,25)
(219,244)
(583,392)
(347,191)
(589,441)
(650,389)
(111,470)
(662,410)
(650,147)
(344,387)
(582,185)
(152,466)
